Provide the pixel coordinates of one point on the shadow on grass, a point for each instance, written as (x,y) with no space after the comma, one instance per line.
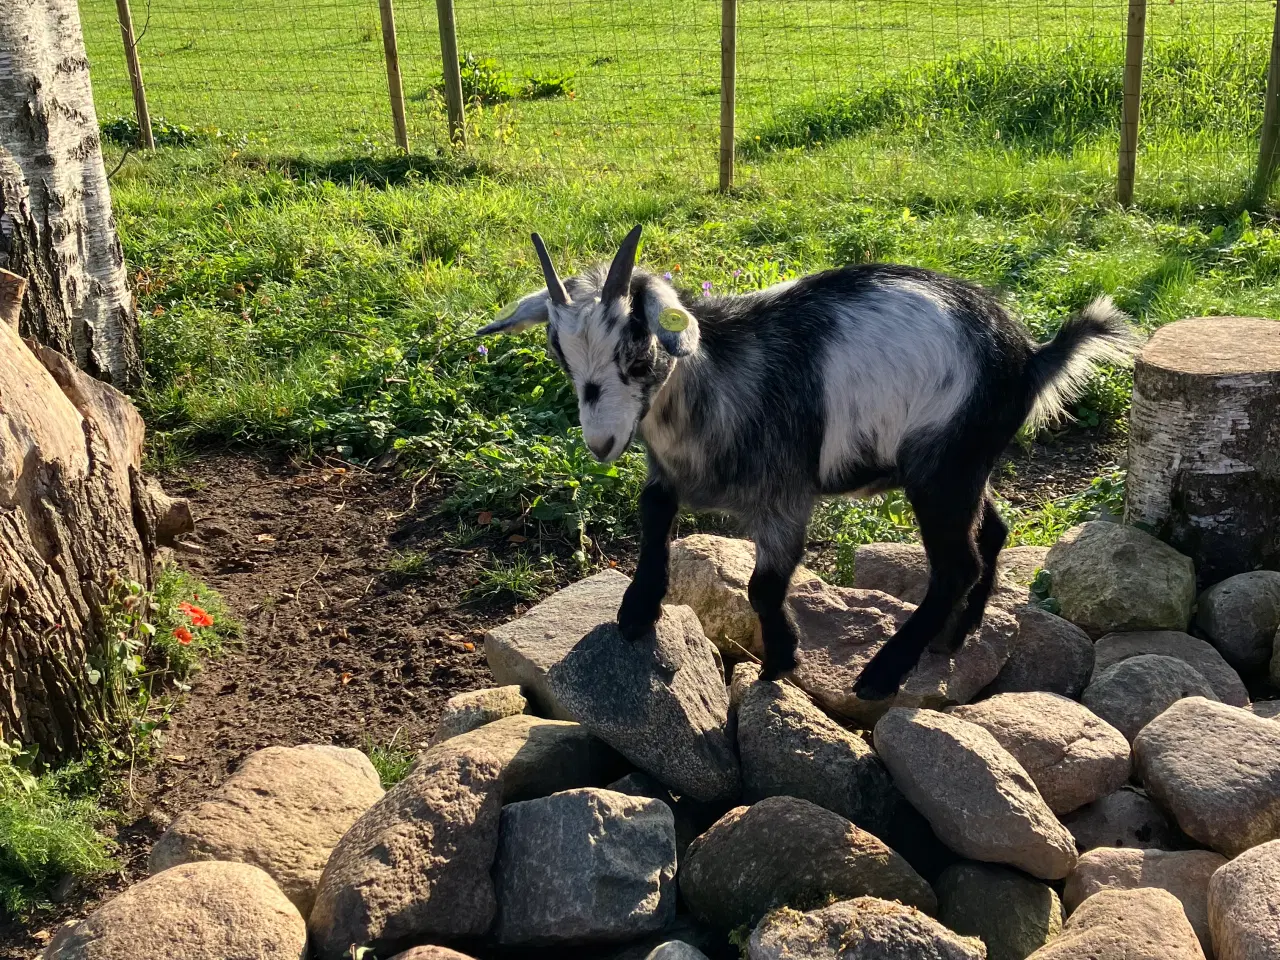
(391,170)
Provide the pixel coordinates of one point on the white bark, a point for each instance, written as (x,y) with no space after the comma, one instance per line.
(1204,443)
(56,225)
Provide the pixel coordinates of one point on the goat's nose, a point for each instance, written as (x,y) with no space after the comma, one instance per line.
(601,448)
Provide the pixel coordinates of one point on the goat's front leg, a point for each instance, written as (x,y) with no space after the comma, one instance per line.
(779,549)
(642,602)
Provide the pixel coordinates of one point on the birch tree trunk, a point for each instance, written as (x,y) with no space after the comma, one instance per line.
(56,226)
(1204,443)
(74,511)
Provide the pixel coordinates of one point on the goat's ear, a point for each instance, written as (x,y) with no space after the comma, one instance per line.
(521,315)
(674,326)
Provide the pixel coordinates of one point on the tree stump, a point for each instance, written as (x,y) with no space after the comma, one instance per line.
(1204,443)
(74,509)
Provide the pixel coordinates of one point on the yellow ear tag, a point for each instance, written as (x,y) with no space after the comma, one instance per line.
(673,319)
(506,311)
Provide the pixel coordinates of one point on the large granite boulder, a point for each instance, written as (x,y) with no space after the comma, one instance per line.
(842,629)
(284,810)
(790,748)
(584,866)
(1146,924)
(522,651)
(865,928)
(1217,770)
(1073,756)
(207,910)
(974,794)
(661,702)
(1007,910)
(1203,658)
(784,851)
(1108,577)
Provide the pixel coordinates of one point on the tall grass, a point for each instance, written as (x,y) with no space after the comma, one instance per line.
(1040,99)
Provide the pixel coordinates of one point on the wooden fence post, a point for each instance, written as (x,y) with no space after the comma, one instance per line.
(452,74)
(146,139)
(728,88)
(391,50)
(1132,105)
(1269,148)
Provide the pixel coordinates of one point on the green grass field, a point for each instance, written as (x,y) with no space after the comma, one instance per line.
(301,284)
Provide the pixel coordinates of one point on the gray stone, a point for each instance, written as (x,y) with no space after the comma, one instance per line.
(1071,755)
(675,950)
(584,866)
(541,757)
(661,702)
(1217,770)
(784,851)
(1019,565)
(684,929)
(1125,818)
(1240,616)
(898,569)
(691,817)
(710,575)
(1007,910)
(1244,905)
(1117,647)
(416,865)
(1050,654)
(1146,924)
(1268,709)
(744,674)
(1183,873)
(902,570)
(976,797)
(522,651)
(841,629)
(790,748)
(466,711)
(861,929)
(1133,692)
(208,910)
(431,953)
(1110,578)
(284,810)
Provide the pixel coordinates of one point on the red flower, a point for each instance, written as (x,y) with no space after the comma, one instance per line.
(183,635)
(199,617)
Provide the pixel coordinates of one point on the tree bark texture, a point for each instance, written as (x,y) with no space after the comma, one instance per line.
(74,509)
(56,225)
(1204,443)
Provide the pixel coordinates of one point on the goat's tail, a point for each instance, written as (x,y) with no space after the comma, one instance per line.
(1060,369)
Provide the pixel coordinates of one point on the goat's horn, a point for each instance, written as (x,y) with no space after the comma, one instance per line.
(619,278)
(559,295)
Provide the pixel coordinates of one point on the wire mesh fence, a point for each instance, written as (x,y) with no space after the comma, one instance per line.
(999,96)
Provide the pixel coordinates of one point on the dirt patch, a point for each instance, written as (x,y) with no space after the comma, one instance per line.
(355,591)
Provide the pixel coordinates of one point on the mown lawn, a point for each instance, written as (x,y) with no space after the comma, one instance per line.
(303,285)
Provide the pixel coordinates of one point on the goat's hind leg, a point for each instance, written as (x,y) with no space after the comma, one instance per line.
(779,549)
(947,519)
(992,534)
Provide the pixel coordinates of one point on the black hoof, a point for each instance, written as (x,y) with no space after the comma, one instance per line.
(775,668)
(634,631)
(877,683)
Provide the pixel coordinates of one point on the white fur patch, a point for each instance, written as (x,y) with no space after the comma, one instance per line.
(588,345)
(884,374)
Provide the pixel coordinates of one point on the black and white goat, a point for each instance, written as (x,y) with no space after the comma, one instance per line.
(850,381)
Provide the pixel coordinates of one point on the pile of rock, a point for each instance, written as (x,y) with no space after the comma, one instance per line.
(1092,785)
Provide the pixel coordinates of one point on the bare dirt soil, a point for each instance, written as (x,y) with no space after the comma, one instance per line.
(343,640)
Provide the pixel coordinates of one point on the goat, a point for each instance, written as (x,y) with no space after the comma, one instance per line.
(851,381)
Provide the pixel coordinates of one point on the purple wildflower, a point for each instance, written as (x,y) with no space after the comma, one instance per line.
(737,273)
(706,288)
(667,275)
(482,350)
